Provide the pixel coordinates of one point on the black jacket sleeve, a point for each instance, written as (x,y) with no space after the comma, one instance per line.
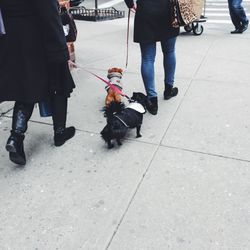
(52,30)
(129,3)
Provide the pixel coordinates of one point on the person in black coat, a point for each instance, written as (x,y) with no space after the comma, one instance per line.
(153,24)
(34,68)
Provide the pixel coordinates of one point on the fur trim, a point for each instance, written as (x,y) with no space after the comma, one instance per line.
(112,70)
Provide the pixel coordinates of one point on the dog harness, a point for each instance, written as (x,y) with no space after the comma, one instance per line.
(115,79)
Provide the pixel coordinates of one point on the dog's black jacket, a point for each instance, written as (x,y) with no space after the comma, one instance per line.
(130,117)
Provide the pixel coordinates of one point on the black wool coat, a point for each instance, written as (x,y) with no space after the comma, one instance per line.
(33,42)
(152,21)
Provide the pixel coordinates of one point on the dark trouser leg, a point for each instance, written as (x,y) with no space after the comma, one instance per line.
(21,115)
(59,116)
(237,13)
(233,6)
(59,112)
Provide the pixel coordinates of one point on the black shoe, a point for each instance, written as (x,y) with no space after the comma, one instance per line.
(14,146)
(63,134)
(152,105)
(244,27)
(237,31)
(170,92)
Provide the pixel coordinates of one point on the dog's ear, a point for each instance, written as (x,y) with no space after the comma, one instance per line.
(109,110)
(140,98)
(144,101)
(119,107)
(114,107)
(137,96)
(134,96)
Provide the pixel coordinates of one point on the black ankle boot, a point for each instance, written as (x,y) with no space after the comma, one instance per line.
(152,105)
(170,92)
(21,115)
(62,135)
(14,146)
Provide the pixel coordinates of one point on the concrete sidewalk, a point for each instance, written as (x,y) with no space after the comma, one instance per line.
(184,185)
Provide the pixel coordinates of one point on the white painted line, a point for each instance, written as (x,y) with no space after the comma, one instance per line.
(216,9)
(219,21)
(220,9)
(217,14)
(217,4)
(110,4)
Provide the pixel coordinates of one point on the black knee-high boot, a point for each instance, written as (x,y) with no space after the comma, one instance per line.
(59,115)
(21,115)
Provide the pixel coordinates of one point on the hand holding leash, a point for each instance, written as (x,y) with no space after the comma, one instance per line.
(134,8)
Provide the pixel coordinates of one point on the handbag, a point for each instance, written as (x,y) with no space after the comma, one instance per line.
(45,108)
(182,13)
(69,25)
(2,28)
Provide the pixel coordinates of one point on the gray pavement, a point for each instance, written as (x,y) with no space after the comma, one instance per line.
(183,185)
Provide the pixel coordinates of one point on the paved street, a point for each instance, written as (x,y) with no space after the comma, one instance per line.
(184,185)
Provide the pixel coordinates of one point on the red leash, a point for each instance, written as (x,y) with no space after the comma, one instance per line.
(129,12)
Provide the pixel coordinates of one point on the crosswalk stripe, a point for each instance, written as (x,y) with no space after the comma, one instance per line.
(220,9)
(218,4)
(216,9)
(219,14)
(219,21)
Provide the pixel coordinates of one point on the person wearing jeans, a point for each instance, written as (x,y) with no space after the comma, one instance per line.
(152,25)
(148,53)
(238,16)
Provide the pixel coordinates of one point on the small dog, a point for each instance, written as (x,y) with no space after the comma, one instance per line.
(121,118)
(114,76)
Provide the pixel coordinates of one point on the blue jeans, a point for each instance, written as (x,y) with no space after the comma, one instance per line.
(148,53)
(237,13)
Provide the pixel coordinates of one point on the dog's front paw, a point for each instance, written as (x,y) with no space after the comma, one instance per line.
(119,142)
(138,136)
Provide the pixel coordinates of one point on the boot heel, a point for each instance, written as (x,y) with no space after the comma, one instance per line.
(10,146)
(21,115)
(152,105)
(14,146)
(170,92)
